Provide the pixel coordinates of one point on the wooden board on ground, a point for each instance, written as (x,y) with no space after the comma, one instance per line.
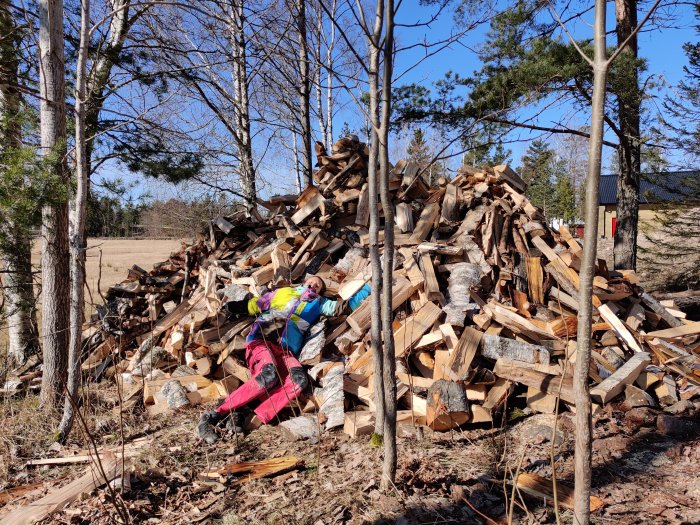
(59,497)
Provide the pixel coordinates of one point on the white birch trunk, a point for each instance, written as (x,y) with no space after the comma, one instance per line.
(15,249)
(54,230)
(77,230)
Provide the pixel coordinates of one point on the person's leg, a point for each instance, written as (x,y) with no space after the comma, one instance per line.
(264,378)
(261,364)
(295,381)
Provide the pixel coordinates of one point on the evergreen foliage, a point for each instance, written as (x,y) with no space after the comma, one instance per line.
(549,185)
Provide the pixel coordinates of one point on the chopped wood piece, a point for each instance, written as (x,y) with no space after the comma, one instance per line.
(535,278)
(360,319)
(620,329)
(463,355)
(623,376)
(425,222)
(549,383)
(691,328)
(239,473)
(495,347)
(432,288)
(542,488)
(659,310)
(447,405)
(414,327)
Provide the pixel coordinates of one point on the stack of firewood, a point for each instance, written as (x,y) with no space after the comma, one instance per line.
(485,301)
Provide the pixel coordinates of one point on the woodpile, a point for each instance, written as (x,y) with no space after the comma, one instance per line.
(485,302)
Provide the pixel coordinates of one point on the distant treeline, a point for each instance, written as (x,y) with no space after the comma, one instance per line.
(116,217)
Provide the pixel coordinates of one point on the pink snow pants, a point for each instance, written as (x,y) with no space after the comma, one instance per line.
(277,377)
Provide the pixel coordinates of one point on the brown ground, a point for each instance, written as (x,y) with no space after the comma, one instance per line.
(641,474)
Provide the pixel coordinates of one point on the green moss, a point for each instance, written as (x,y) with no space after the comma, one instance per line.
(515,414)
(377,440)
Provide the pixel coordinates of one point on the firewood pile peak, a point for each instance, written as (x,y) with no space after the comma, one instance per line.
(485,301)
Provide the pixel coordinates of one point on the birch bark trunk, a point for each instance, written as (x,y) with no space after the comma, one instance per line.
(54,229)
(15,250)
(304,91)
(77,230)
(242,103)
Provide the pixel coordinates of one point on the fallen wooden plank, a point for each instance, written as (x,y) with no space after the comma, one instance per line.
(59,497)
(239,473)
(66,460)
(623,376)
(542,488)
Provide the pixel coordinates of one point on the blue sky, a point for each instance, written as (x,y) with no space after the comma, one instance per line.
(662,47)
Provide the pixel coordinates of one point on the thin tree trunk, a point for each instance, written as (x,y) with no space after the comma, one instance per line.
(629,151)
(77,233)
(317,77)
(242,103)
(582,458)
(389,377)
(304,91)
(329,81)
(375,260)
(54,230)
(101,70)
(297,172)
(15,248)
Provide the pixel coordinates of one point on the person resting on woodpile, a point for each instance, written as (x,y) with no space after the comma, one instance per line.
(277,336)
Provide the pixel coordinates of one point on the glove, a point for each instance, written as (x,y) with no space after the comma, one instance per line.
(360,295)
(233,308)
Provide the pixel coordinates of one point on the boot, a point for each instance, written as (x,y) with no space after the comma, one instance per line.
(235,422)
(205,427)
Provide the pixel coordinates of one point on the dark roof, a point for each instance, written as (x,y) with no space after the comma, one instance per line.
(668,186)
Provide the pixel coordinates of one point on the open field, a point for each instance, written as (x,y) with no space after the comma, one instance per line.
(117,257)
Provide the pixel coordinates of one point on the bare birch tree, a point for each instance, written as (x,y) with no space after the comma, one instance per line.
(54,229)
(77,241)
(15,248)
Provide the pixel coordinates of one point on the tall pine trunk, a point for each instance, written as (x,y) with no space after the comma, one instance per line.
(629,151)
(15,248)
(389,357)
(54,228)
(77,230)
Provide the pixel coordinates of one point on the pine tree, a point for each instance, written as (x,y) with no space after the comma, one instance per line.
(536,171)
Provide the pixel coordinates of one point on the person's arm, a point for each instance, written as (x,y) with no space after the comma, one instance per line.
(247,306)
(331,308)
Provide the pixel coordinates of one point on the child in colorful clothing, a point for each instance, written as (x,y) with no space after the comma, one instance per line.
(275,339)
